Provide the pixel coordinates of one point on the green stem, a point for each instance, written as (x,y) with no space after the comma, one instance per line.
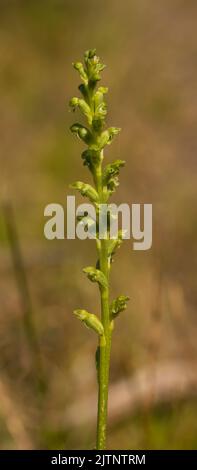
(104,357)
(105,342)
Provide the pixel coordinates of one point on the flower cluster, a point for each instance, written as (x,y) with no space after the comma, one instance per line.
(95,136)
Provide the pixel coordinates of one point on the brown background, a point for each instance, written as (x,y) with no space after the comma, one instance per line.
(150,50)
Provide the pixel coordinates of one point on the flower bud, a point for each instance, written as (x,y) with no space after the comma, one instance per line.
(95,275)
(104,139)
(89,54)
(84,107)
(118,305)
(73,103)
(103,90)
(86,190)
(82,132)
(80,68)
(90,320)
(112,132)
(94,67)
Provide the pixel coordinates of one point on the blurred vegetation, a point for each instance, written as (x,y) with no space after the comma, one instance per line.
(153,98)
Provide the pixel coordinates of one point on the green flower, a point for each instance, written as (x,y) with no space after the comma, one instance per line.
(118,305)
(90,320)
(95,275)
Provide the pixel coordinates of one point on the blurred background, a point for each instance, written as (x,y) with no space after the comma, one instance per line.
(47,372)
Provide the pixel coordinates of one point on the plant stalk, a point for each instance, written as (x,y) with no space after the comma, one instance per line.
(105,341)
(96,137)
(104,356)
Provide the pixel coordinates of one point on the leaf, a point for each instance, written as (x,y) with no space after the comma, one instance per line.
(82,132)
(86,190)
(95,275)
(90,320)
(118,305)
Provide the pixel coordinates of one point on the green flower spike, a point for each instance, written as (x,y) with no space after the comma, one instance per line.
(96,137)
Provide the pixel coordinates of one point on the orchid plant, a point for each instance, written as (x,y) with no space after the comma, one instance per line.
(96,137)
